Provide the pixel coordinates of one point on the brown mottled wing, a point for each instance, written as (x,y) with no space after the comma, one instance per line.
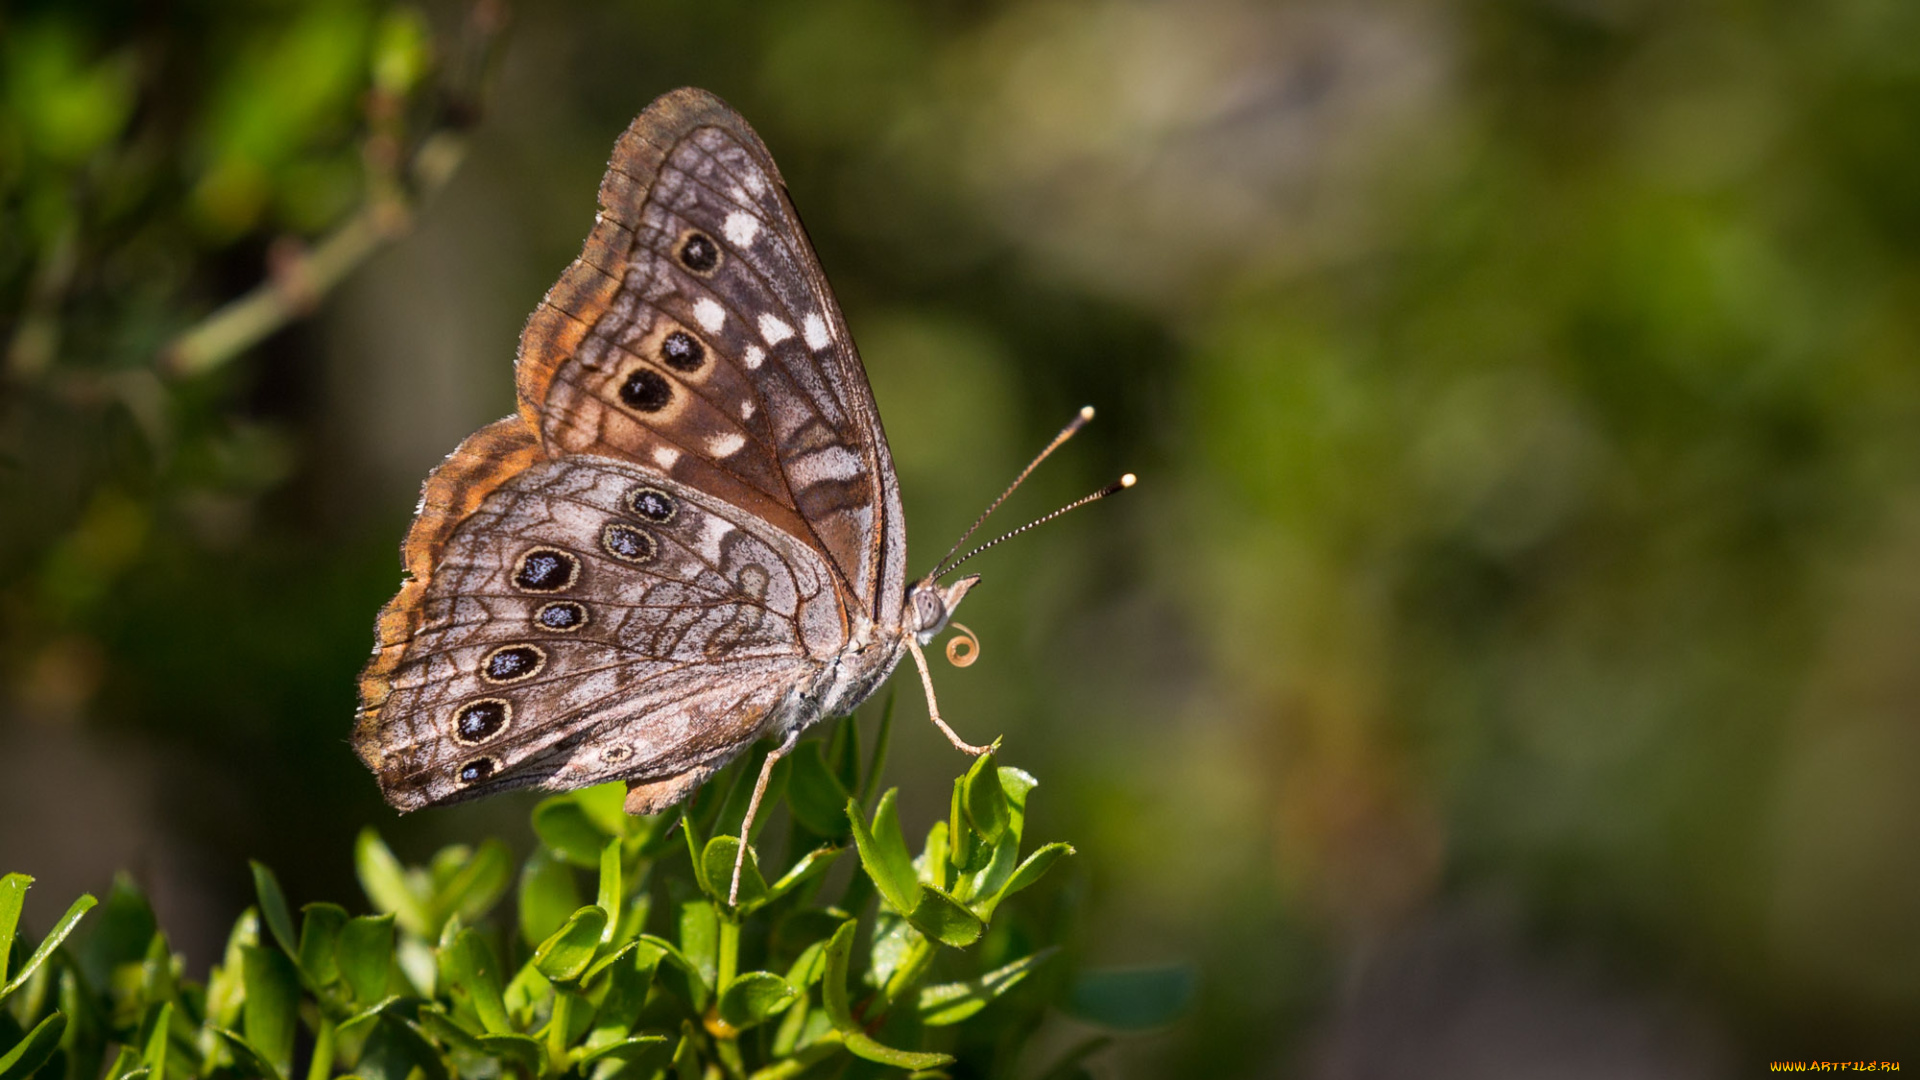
(696,336)
(584,620)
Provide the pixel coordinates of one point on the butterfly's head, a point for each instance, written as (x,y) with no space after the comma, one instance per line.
(929,606)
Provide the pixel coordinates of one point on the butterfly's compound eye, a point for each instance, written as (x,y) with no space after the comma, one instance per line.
(929,610)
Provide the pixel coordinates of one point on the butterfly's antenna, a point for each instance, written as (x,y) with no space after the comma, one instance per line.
(1079,421)
(1114,488)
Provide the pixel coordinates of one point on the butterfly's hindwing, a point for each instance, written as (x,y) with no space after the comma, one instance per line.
(587,602)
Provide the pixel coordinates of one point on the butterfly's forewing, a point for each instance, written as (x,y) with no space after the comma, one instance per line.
(588,621)
(696,335)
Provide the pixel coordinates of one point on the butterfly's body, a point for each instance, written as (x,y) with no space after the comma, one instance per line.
(688,537)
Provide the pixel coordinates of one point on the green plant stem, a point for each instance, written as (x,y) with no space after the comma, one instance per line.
(557,1026)
(322,1065)
(729,953)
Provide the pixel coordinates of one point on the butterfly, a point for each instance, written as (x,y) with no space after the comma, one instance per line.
(690,534)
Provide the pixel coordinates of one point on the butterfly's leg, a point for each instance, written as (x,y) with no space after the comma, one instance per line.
(753,807)
(933,707)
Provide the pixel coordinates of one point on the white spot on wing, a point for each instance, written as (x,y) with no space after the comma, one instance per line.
(828,463)
(741,228)
(712,531)
(665,456)
(711,315)
(752,179)
(746,409)
(774,330)
(815,329)
(725,445)
(754,357)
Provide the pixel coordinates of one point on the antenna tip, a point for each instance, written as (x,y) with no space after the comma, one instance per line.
(1086,412)
(1129,480)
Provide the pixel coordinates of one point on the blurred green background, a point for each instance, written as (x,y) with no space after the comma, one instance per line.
(1505,667)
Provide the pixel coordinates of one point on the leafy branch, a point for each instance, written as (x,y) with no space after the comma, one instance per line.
(624,958)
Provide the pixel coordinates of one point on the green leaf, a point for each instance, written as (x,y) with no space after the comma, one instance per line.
(1032,870)
(226,987)
(811,865)
(49,943)
(808,966)
(628,1050)
(123,1064)
(883,851)
(717,867)
(816,796)
(320,927)
(608,961)
(474,974)
(26,1056)
(273,997)
(946,920)
(522,1050)
(568,951)
(612,887)
(985,800)
(13,894)
(1132,999)
(931,864)
(753,997)
(1016,783)
(418,1047)
(548,894)
(247,1056)
(273,907)
(840,1008)
(950,1003)
(385,883)
(700,938)
(155,1056)
(397,1049)
(157,982)
(629,975)
(119,934)
(569,831)
(479,883)
(672,953)
(606,805)
(364,956)
(433,1019)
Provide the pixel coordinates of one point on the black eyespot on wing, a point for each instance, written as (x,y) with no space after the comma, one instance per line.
(561,616)
(682,352)
(627,543)
(476,770)
(546,570)
(699,253)
(653,504)
(646,390)
(616,753)
(478,721)
(511,663)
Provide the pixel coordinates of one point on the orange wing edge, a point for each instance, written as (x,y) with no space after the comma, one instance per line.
(476,468)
